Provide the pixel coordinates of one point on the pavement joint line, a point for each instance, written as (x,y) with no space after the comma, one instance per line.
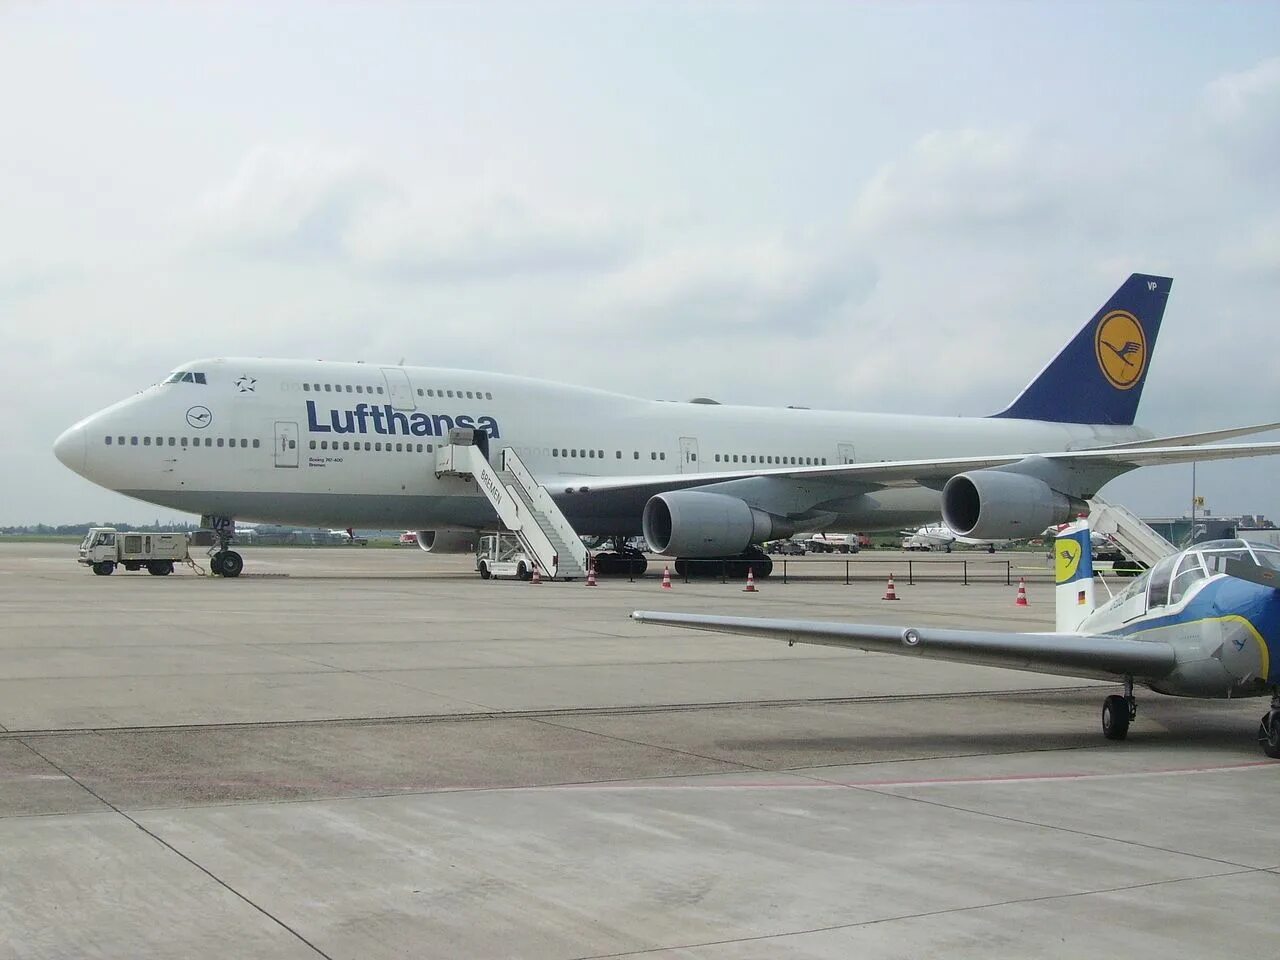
(882,792)
(537,713)
(174,850)
(551,722)
(973,908)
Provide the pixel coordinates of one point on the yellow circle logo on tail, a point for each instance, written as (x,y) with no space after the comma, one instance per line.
(1066,559)
(1122,349)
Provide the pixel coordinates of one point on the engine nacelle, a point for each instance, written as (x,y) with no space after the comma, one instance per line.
(689,523)
(448,541)
(995,505)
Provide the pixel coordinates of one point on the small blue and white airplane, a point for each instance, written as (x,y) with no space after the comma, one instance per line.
(1201,623)
(325,444)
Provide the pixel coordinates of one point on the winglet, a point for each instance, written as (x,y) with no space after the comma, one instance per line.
(1073,571)
(1098,376)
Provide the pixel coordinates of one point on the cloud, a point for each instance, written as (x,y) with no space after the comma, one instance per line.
(292,202)
(959,180)
(1243,114)
(301,203)
(754,286)
(1257,255)
(24,281)
(493,237)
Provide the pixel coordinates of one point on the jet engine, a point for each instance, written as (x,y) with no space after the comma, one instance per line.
(996,505)
(690,523)
(448,541)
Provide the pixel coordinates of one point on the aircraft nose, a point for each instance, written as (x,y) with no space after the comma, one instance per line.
(72,447)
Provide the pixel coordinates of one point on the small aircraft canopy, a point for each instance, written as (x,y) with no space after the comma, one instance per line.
(1174,577)
(1215,554)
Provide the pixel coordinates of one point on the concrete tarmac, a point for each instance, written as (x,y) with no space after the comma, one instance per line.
(372,753)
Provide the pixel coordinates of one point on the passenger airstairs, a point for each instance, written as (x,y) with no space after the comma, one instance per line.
(1128,531)
(524,505)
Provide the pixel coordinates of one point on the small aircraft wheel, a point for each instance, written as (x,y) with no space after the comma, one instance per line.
(484,570)
(104,568)
(1115,718)
(232,564)
(1269,735)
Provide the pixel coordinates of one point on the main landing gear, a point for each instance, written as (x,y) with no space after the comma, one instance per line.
(1269,728)
(753,559)
(223,562)
(621,560)
(1118,712)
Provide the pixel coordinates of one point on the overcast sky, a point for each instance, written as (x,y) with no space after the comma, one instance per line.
(899,207)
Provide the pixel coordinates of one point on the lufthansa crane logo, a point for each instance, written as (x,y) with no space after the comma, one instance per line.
(1066,560)
(199,417)
(1122,349)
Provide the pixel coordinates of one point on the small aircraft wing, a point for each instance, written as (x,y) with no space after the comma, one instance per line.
(1096,656)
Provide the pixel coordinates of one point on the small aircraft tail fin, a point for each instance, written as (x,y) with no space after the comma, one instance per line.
(1073,569)
(1098,376)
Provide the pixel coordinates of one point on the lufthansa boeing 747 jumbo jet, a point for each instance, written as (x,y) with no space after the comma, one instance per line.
(1201,623)
(334,444)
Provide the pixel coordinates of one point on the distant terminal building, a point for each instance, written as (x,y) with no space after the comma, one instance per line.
(1184,531)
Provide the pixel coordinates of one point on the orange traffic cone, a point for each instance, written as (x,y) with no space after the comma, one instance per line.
(666,578)
(751,581)
(1022,593)
(889,592)
(591,574)
(537,577)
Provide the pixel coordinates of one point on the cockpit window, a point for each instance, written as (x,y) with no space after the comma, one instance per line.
(1190,572)
(1161,574)
(186,376)
(1266,556)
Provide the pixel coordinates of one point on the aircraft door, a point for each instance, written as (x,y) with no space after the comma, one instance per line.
(286,443)
(689,455)
(844,453)
(398,388)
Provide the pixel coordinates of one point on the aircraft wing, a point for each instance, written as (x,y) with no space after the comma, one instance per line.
(1096,656)
(866,477)
(1186,439)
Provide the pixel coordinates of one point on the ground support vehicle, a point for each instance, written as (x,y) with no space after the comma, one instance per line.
(500,555)
(105,548)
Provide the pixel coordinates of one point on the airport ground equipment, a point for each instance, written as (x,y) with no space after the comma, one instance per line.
(1128,532)
(1203,622)
(105,548)
(502,556)
(521,502)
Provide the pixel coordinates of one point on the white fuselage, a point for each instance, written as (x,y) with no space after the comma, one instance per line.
(350,444)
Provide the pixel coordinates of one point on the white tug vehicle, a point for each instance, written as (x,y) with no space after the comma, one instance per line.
(105,548)
(501,555)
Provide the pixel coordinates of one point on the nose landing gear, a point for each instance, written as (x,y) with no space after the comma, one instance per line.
(223,562)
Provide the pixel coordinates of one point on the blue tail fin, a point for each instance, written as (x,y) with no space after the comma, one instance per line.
(1098,376)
